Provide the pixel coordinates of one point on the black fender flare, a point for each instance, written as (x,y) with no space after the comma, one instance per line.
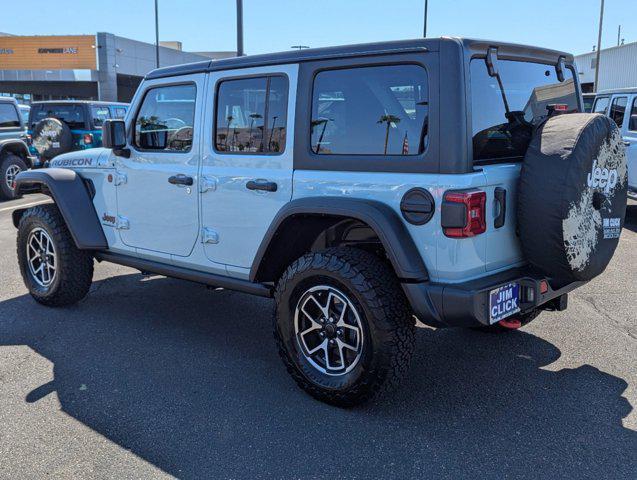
(72,197)
(17,147)
(392,232)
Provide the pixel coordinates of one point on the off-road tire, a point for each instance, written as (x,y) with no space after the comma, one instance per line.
(525,319)
(6,162)
(74,267)
(387,323)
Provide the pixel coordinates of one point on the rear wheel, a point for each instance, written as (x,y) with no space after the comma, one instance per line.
(10,166)
(53,269)
(343,326)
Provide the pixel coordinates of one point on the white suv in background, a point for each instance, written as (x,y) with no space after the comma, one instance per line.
(621,106)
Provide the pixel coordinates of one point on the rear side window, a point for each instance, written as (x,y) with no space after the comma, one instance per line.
(166,118)
(251,115)
(370,111)
(528,89)
(99,114)
(618,109)
(601,104)
(72,115)
(8,116)
(632,122)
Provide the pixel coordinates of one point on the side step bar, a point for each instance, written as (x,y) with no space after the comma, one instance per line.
(182,273)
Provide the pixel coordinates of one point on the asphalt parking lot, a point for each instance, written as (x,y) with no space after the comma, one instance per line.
(152,377)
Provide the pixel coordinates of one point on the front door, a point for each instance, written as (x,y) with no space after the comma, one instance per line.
(247,160)
(157,198)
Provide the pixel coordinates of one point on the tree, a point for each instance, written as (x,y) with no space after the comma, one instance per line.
(388,119)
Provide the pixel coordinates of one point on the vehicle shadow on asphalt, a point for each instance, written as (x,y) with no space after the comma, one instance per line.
(189,380)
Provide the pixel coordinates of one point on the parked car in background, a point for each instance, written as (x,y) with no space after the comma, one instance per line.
(14,150)
(62,126)
(24,113)
(621,106)
(589,99)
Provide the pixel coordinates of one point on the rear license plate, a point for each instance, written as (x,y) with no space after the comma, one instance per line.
(504,301)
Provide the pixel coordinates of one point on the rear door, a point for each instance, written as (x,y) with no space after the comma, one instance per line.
(499,145)
(247,160)
(629,133)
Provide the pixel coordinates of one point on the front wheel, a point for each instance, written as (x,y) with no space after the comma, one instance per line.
(343,325)
(54,270)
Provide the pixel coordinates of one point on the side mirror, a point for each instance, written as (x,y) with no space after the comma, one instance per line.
(114,134)
(492,61)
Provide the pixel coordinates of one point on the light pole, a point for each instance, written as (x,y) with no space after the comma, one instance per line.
(424,30)
(599,45)
(239,28)
(156,34)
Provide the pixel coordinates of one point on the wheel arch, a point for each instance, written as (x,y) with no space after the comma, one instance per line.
(72,197)
(17,147)
(299,224)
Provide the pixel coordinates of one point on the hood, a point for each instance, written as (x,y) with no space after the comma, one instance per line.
(91,158)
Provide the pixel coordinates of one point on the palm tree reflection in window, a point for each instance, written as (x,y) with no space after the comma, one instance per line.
(253,117)
(316,123)
(388,119)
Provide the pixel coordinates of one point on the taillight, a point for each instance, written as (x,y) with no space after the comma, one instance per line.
(88,138)
(463,213)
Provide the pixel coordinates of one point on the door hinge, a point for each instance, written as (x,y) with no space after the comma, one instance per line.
(207,184)
(209,236)
(120,179)
(122,223)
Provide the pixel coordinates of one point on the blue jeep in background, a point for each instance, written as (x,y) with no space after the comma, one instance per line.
(61,126)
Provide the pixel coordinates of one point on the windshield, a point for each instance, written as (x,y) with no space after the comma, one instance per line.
(529,89)
(72,115)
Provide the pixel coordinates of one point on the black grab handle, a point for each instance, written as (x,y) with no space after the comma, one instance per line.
(261,185)
(180,179)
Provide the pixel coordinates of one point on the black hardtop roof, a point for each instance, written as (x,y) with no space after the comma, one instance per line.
(311,54)
(91,102)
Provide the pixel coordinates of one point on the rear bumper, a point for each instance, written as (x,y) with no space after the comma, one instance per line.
(467,304)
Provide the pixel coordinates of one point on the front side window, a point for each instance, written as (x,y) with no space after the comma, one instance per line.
(528,89)
(618,109)
(251,115)
(601,104)
(8,116)
(166,118)
(370,111)
(99,114)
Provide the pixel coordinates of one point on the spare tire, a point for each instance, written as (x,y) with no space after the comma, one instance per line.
(572,196)
(52,137)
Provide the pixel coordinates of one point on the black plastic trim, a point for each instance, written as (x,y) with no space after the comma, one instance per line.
(182,273)
(72,197)
(391,231)
(466,304)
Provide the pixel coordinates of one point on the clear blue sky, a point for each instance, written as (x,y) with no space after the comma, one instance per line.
(274,25)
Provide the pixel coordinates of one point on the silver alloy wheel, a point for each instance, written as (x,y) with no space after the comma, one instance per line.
(10,175)
(328,330)
(41,257)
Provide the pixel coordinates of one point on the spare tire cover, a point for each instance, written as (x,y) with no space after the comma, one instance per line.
(51,137)
(572,196)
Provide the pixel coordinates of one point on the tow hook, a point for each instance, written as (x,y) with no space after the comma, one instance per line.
(510,323)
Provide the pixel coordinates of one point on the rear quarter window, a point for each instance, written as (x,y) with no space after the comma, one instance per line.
(72,115)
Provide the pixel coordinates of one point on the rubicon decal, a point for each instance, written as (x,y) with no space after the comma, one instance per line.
(72,162)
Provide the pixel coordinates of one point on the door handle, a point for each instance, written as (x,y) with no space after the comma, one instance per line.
(262,185)
(180,179)
(500,195)
(626,143)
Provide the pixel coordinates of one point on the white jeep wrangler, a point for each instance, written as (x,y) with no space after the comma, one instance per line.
(448,180)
